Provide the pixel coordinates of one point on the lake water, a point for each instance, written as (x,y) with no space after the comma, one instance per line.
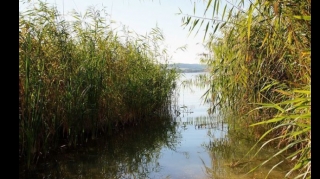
(190,145)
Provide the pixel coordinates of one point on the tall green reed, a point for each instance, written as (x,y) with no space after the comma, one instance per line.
(79,78)
(259,56)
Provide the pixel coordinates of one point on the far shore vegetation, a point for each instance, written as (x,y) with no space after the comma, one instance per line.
(188,68)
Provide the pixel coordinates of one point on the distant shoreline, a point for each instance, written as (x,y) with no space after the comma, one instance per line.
(189,68)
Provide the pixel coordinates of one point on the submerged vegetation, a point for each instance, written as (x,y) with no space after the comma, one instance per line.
(229,158)
(260,61)
(80,78)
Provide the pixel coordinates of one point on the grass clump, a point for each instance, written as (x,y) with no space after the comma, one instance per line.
(260,61)
(79,78)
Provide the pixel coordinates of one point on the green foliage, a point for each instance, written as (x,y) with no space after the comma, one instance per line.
(260,61)
(79,78)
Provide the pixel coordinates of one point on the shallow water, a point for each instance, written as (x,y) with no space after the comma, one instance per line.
(190,145)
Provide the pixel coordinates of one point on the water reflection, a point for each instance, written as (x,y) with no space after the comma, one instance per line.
(133,153)
(231,159)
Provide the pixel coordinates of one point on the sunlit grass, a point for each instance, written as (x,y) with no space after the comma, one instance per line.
(260,65)
(79,78)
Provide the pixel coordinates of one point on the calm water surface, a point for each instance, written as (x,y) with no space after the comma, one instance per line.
(182,147)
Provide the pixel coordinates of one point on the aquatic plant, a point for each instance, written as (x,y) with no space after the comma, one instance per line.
(260,61)
(80,78)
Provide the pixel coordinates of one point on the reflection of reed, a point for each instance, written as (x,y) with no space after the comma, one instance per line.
(131,153)
(202,122)
(231,159)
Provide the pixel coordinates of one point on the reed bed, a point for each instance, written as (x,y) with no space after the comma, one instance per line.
(260,61)
(79,78)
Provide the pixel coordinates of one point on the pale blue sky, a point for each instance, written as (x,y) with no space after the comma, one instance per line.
(143,15)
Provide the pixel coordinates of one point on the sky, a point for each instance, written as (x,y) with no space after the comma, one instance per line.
(143,15)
